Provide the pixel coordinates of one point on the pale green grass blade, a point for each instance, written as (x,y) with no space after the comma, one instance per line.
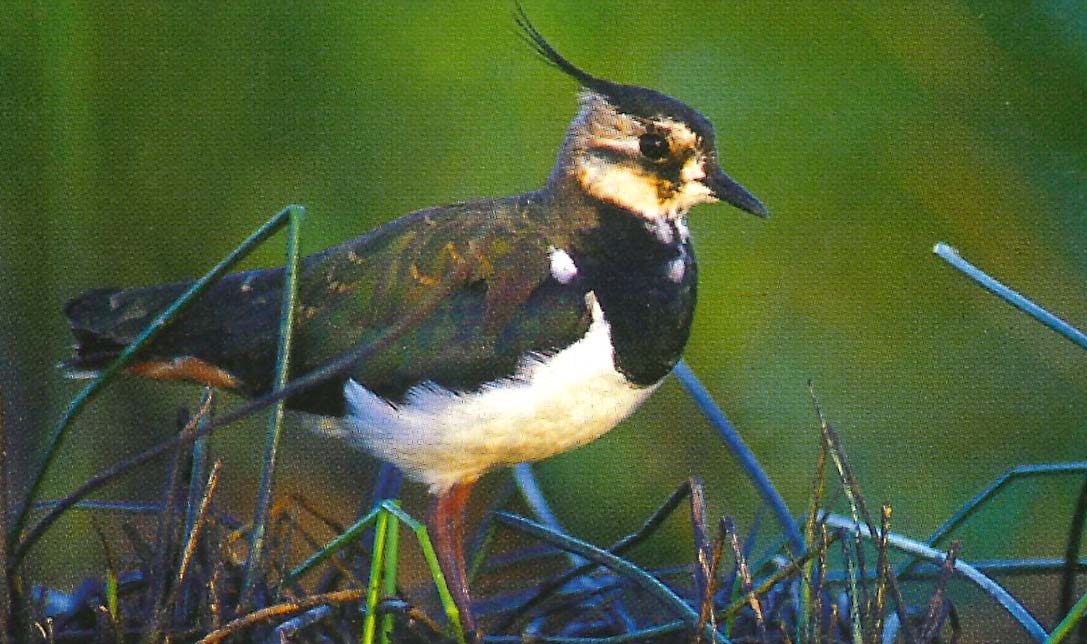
(431,558)
(334,546)
(60,430)
(275,427)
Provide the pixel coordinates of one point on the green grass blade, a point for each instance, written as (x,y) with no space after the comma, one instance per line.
(423,537)
(329,369)
(275,427)
(112,605)
(197,474)
(60,430)
(804,623)
(334,546)
(849,557)
(951,256)
(1070,621)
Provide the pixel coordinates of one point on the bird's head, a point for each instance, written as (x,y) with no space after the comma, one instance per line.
(638,148)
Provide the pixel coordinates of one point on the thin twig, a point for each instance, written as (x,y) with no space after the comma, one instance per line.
(285,608)
(6,615)
(191,541)
(169,528)
(703,554)
(707,611)
(937,610)
(924,551)
(852,488)
(622,567)
(619,547)
(810,601)
(883,572)
(728,527)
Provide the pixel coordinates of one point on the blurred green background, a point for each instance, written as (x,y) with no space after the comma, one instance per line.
(141,142)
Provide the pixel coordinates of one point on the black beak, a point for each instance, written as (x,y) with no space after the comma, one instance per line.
(726,189)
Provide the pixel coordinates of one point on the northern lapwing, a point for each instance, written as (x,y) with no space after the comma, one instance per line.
(577,304)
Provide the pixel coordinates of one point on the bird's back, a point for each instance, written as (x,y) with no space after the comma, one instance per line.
(348,294)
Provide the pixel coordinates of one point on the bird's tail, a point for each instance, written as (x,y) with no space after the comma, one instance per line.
(104,321)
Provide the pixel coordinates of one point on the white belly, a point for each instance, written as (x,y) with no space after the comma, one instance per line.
(553,404)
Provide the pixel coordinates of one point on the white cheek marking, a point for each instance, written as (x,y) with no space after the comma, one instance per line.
(676,269)
(626,145)
(693,170)
(684,232)
(679,132)
(552,404)
(691,194)
(621,186)
(563,268)
(662,230)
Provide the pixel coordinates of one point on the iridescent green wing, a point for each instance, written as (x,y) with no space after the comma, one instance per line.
(506,307)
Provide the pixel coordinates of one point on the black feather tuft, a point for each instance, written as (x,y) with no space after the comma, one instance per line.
(539,44)
(630,99)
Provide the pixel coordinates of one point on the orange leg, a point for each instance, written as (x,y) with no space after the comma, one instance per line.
(446,525)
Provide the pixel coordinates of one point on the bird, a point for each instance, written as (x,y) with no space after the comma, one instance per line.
(559,311)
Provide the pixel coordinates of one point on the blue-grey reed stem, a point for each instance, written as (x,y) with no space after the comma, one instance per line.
(951,256)
(743,453)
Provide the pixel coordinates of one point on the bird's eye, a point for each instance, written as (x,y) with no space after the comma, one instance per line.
(653,146)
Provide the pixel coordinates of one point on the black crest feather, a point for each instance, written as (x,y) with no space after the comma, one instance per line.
(551,56)
(631,99)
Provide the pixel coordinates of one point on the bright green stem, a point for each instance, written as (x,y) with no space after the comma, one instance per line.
(421,534)
(60,430)
(1070,621)
(392,559)
(373,593)
(275,426)
(389,507)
